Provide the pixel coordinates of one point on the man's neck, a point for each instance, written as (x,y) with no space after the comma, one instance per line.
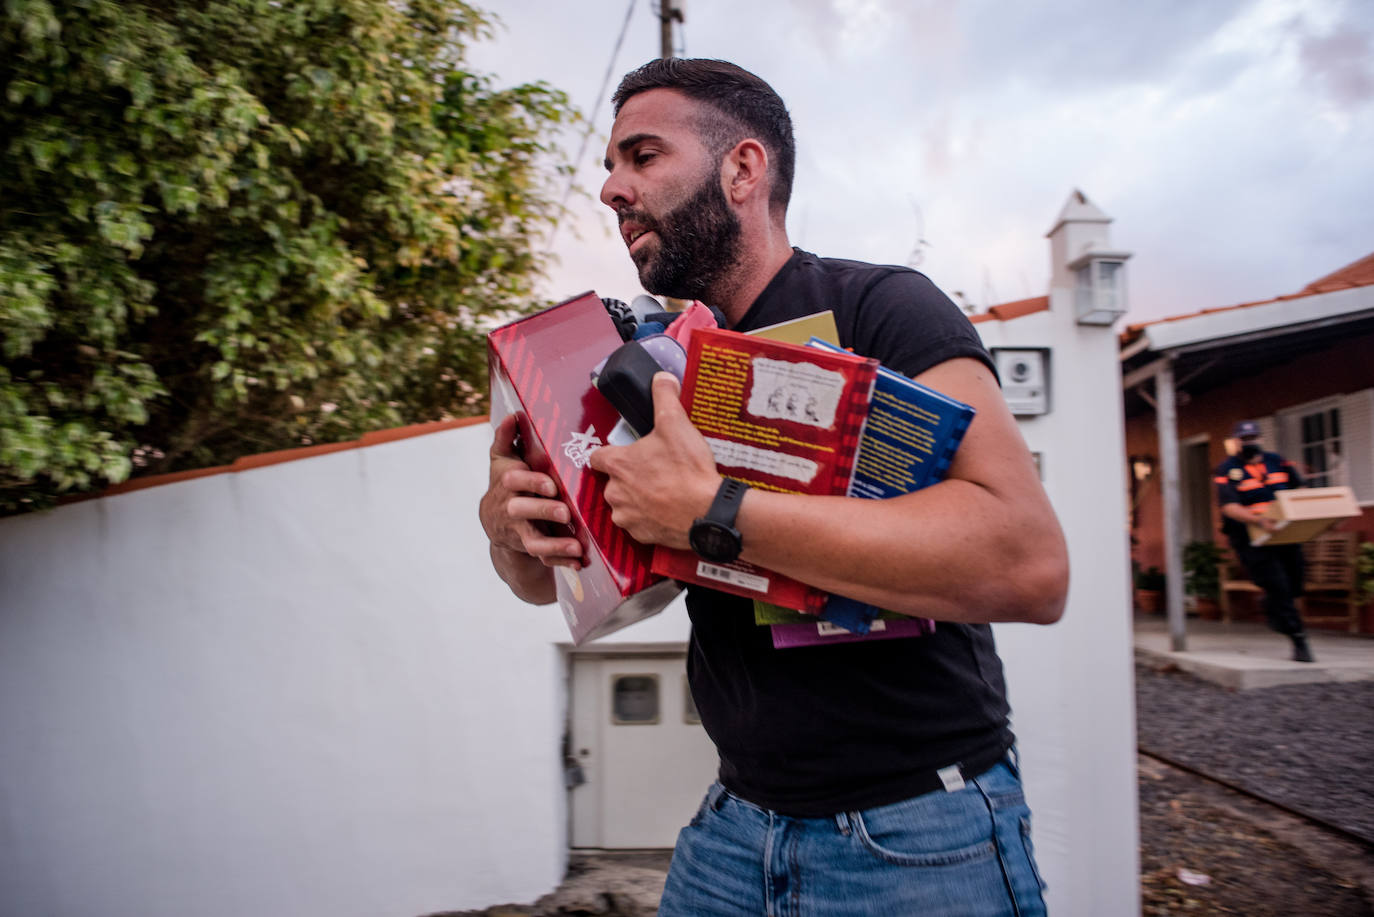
(760,260)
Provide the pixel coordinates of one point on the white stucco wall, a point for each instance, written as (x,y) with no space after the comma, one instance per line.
(1071,685)
(292,690)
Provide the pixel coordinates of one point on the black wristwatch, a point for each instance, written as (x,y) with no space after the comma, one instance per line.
(714,536)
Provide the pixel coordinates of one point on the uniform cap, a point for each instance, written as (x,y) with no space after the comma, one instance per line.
(1246,429)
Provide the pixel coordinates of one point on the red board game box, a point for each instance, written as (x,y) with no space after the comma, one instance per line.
(540,369)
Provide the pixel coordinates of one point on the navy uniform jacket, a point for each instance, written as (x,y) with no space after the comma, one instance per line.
(1252,485)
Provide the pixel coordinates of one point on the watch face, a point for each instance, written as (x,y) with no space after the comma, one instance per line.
(714,542)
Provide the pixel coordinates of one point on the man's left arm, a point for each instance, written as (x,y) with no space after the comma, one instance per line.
(981,545)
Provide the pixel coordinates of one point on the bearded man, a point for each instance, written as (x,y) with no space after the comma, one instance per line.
(862,778)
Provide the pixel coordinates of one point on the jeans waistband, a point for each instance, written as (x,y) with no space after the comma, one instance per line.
(946,779)
(955,776)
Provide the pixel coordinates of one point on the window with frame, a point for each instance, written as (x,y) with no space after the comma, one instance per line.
(1319,444)
(1331,441)
(634,700)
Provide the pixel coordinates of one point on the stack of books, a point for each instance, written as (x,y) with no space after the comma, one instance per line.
(811,418)
(783,408)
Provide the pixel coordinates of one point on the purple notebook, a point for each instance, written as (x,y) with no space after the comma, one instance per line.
(823,632)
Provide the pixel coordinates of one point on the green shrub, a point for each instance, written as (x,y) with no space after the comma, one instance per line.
(1202,569)
(1150,579)
(1364,571)
(233,226)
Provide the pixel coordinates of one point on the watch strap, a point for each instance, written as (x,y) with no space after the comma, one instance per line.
(714,537)
(725,506)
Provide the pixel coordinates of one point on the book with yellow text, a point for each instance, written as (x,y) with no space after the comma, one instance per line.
(780,417)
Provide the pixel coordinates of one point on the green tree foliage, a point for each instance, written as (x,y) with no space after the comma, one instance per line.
(230,226)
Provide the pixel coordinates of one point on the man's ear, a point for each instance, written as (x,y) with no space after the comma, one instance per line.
(745,171)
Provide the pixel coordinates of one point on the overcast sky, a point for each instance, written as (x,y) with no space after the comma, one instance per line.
(1231,140)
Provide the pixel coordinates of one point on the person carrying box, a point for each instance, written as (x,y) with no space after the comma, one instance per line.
(860,778)
(1246,483)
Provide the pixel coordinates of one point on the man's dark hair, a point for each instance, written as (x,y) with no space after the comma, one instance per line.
(748,107)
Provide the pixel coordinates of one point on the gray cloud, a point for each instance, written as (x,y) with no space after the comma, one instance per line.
(1071,45)
(1340,62)
(1225,141)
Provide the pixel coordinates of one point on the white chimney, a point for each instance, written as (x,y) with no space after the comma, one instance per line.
(1083,263)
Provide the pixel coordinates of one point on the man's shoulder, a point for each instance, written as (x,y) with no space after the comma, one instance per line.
(886,311)
(848,269)
(851,284)
(1230,463)
(840,265)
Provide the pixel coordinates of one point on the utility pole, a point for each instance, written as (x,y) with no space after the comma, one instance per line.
(668,11)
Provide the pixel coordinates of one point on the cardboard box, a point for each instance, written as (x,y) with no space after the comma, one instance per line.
(1305,513)
(540,368)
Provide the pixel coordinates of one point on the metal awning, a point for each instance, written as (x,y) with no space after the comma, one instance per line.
(1203,365)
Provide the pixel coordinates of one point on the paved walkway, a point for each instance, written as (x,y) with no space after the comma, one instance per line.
(1244,655)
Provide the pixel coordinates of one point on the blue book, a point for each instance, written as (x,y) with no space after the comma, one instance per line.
(908,442)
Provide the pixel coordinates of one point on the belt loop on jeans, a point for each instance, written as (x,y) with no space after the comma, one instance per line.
(715,796)
(842,822)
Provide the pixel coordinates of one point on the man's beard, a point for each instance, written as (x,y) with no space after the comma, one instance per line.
(698,242)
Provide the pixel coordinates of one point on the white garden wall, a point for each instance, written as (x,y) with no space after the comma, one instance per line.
(294,690)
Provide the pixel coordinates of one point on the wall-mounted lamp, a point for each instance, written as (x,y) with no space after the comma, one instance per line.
(1099,294)
(1142,468)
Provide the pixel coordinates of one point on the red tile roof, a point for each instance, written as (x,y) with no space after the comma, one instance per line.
(1009,310)
(264,459)
(1356,274)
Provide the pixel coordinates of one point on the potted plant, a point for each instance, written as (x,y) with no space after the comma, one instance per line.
(1149,590)
(1364,573)
(1202,575)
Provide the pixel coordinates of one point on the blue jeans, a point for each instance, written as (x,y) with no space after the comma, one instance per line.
(966,852)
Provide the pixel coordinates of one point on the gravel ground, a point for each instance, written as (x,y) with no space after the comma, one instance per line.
(1207,850)
(1306,746)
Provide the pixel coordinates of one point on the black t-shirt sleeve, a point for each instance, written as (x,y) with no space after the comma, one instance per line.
(908,324)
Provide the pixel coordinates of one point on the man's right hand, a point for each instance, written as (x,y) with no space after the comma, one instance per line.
(517,501)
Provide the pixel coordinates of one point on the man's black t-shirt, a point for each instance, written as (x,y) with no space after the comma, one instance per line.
(1252,484)
(812,731)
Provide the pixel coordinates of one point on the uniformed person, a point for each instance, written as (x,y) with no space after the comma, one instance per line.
(1246,483)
